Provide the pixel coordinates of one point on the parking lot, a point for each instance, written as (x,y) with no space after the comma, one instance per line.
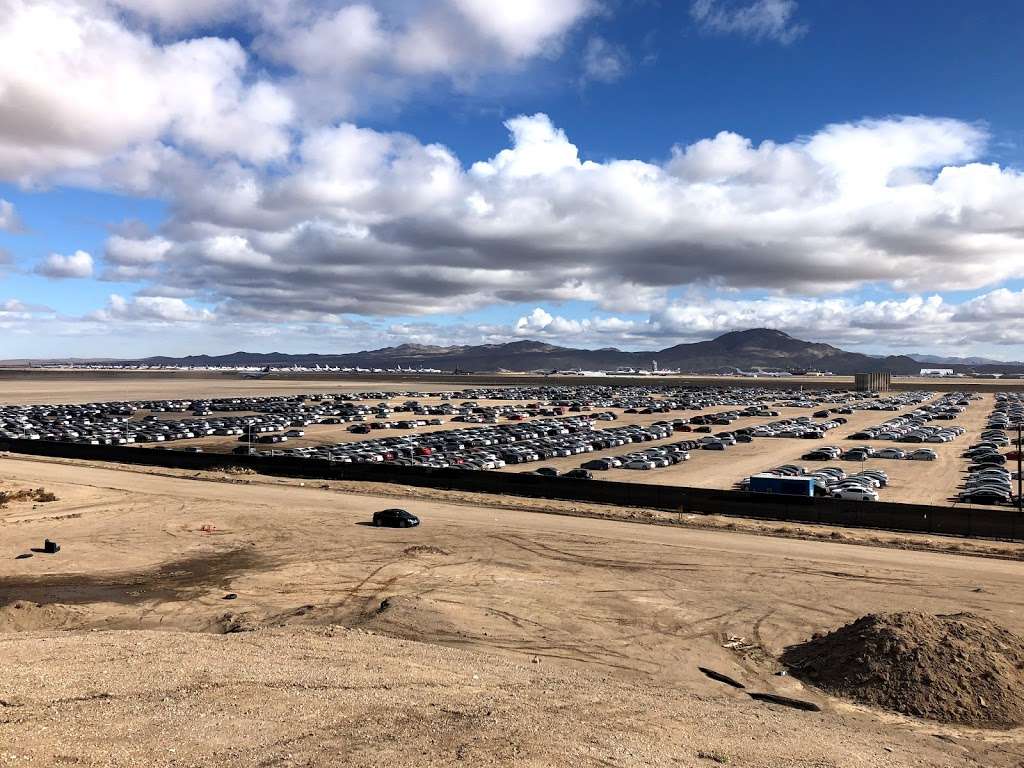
(555,428)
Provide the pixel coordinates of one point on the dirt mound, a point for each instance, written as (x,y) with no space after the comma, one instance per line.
(958,668)
(412,617)
(229,623)
(28,616)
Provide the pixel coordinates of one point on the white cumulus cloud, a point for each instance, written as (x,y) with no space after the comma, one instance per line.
(150,309)
(119,88)
(76,265)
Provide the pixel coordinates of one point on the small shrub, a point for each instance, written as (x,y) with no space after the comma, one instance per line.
(236,470)
(26,494)
(713,755)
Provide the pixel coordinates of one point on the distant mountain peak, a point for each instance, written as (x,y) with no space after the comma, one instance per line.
(758,338)
(755,334)
(416,349)
(529,345)
(756,348)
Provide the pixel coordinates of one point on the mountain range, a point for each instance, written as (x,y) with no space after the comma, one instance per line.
(758,348)
(973,361)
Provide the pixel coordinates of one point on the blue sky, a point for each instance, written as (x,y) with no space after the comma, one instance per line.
(856,60)
(331,176)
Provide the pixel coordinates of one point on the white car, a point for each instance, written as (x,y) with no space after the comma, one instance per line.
(639,464)
(890,453)
(855,494)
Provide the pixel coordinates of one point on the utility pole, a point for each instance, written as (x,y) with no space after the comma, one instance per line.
(1020,499)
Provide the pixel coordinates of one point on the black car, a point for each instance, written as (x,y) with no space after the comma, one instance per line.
(578,474)
(817,456)
(986,496)
(395,518)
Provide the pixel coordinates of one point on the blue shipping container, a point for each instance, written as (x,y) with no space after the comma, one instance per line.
(791,486)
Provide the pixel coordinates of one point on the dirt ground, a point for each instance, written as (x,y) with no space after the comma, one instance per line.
(473,639)
(30,388)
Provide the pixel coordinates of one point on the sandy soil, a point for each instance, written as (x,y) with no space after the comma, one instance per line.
(30,388)
(591,629)
(331,697)
(42,386)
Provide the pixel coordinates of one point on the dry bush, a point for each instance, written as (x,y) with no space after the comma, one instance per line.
(713,755)
(27,494)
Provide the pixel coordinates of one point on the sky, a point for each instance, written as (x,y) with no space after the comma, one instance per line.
(205,176)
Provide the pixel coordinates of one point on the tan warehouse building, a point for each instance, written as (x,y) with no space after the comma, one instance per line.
(872,382)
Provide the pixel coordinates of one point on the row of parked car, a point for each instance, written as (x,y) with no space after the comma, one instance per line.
(489,447)
(1008,411)
(649,458)
(800,427)
(865,452)
(674,397)
(988,480)
(913,427)
(896,401)
(118,423)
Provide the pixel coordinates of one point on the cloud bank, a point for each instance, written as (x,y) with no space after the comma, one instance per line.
(284,208)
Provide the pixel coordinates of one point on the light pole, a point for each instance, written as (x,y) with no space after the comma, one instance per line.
(1020,500)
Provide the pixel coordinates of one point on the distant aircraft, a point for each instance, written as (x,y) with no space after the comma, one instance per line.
(257,374)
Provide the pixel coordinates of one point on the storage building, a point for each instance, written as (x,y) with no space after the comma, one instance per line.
(872,382)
